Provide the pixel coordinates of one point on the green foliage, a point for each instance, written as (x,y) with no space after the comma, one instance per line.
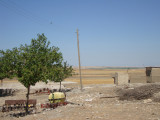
(67,70)
(61,72)
(37,60)
(33,63)
(7,63)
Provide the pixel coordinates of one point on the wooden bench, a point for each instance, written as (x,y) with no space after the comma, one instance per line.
(18,104)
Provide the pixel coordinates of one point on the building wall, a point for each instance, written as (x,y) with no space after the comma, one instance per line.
(155,74)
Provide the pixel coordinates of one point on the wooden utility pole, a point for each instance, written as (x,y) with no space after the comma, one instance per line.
(79,60)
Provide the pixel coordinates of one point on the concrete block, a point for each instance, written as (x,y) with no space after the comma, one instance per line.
(121,78)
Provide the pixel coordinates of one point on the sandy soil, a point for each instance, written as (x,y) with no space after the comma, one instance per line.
(89,104)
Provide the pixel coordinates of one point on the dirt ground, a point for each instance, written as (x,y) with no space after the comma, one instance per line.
(90,104)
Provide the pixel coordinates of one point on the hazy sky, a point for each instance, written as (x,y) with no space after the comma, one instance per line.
(112,32)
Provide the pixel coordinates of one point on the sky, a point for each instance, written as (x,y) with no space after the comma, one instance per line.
(111,32)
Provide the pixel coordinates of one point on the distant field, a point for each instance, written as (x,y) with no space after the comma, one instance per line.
(101,75)
(97,75)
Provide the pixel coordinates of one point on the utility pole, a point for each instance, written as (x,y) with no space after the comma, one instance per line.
(79,60)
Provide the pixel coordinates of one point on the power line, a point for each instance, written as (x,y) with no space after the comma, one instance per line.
(17,11)
(29,12)
(12,6)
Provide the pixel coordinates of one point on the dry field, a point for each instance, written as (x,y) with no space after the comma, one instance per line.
(100,75)
(96,75)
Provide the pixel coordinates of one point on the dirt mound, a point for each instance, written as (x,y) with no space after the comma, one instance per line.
(138,93)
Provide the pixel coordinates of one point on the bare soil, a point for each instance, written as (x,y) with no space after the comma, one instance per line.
(95,102)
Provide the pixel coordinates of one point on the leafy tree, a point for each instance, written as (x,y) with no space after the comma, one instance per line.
(31,63)
(62,72)
(35,62)
(7,63)
(2,74)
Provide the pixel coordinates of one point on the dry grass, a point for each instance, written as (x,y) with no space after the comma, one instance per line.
(138,93)
(100,76)
(92,81)
(94,76)
(6,80)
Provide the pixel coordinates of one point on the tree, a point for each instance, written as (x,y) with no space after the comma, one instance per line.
(2,72)
(33,63)
(62,72)
(7,63)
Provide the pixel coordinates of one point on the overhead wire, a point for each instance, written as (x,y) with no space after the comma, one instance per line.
(21,11)
(17,11)
(35,16)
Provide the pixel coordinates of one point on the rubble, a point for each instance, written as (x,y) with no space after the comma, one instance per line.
(89,105)
(147,101)
(142,92)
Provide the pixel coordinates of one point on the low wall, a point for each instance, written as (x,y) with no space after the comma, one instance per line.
(155,75)
(121,78)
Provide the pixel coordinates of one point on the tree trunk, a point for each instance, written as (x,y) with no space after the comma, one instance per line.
(60,87)
(27,97)
(2,82)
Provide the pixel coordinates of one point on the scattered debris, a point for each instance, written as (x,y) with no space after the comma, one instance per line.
(21,114)
(41,91)
(156,97)
(6,92)
(147,101)
(48,91)
(138,93)
(109,97)
(74,103)
(98,102)
(53,105)
(88,100)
